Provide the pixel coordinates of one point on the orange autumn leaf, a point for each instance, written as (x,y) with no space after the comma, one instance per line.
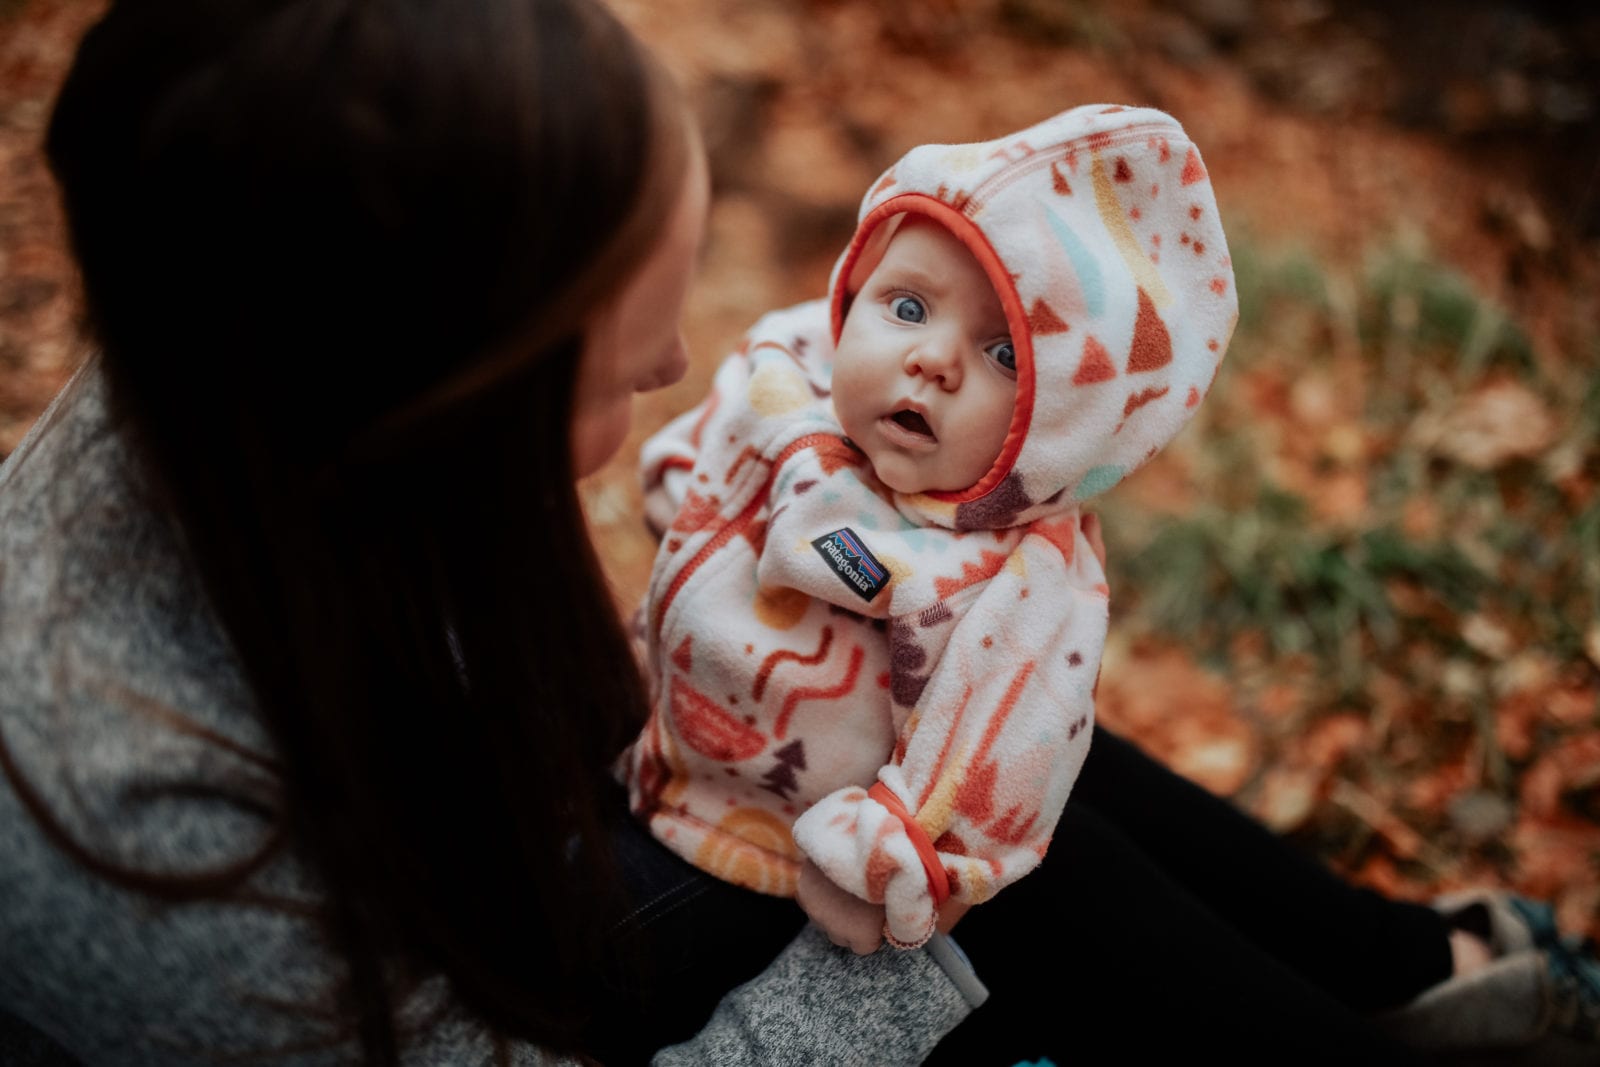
(1573,765)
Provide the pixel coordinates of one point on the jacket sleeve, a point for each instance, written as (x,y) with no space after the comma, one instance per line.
(817,1004)
(996,737)
(778,370)
(667,458)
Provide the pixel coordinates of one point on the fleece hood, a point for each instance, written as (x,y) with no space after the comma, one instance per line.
(1099,232)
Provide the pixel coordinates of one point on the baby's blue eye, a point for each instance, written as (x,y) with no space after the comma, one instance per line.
(908,309)
(1004,354)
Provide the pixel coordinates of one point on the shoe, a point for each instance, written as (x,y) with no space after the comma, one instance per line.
(1536,1002)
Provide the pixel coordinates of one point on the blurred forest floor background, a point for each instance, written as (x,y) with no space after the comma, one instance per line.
(1361,595)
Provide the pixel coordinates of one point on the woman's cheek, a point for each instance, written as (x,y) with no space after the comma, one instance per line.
(598,432)
(670,368)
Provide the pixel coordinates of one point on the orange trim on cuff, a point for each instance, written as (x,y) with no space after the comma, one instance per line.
(938,880)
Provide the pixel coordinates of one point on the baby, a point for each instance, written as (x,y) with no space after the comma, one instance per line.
(875,622)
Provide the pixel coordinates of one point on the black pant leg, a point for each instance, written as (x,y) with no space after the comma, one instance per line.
(1099,956)
(1367,950)
(1162,920)
(684,940)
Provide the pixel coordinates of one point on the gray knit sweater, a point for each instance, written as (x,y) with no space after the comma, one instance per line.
(104,638)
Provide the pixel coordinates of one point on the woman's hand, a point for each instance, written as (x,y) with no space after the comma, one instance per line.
(950,914)
(849,921)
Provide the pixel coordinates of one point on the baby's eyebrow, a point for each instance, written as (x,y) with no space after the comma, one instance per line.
(998,327)
(915,277)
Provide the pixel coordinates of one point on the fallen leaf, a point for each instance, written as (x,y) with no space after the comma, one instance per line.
(1573,765)
(1516,720)
(1403,841)
(1529,670)
(1288,797)
(1181,714)
(1575,705)
(1280,700)
(1493,425)
(1220,763)
(1461,679)
(1420,519)
(1345,443)
(1313,400)
(1486,635)
(1333,738)
(1432,791)
(1553,855)
(1340,499)
(1378,872)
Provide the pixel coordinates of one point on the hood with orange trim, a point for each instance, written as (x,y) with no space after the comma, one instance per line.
(1099,231)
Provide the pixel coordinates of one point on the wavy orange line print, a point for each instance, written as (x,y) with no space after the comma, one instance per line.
(772,661)
(814,693)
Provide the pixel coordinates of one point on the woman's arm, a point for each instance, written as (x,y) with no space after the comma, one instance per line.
(818,1004)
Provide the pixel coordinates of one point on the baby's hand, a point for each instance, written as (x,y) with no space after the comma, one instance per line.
(849,921)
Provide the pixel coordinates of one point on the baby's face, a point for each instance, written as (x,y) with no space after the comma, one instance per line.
(925,376)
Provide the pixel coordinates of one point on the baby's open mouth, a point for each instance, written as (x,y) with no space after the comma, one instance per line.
(913,421)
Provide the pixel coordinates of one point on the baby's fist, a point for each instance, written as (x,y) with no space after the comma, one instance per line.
(849,921)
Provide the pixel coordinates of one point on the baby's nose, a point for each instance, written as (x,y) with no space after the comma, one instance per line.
(936,356)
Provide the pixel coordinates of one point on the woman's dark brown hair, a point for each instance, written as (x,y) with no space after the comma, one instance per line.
(337,255)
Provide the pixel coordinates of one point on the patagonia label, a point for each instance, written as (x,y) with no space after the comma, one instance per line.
(851,561)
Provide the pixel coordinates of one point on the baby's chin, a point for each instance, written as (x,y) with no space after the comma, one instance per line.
(901,472)
(905,478)
(893,471)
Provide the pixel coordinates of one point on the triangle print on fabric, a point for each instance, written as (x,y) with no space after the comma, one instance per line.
(1058,181)
(1152,345)
(1042,319)
(1096,364)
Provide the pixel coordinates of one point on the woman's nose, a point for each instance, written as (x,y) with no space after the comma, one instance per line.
(936,357)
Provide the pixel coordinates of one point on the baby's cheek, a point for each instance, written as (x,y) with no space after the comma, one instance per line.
(848,404)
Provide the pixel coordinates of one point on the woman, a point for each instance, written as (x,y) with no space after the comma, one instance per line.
(308,681)
(309,684)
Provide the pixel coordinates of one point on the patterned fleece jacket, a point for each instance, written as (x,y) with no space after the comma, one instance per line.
(900,687)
